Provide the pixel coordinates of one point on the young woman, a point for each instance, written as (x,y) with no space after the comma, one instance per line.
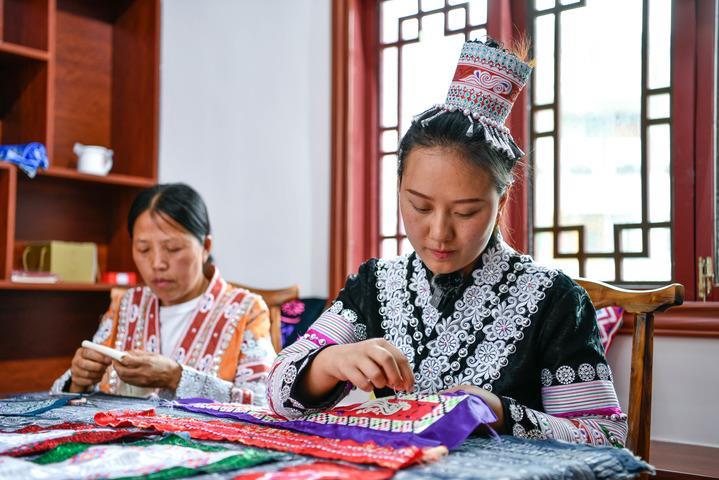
(464,311)
(189,333)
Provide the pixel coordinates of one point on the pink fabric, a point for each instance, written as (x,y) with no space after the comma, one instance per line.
(609,320)
(266,437)
(605,412)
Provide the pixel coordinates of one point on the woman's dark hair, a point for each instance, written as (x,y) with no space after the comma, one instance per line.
(176,201)
(449,130)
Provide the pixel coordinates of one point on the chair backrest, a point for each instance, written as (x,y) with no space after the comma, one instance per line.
(274,300)
(643,304)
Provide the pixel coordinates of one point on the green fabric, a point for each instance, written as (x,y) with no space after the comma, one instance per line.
(67,450)
(246,457)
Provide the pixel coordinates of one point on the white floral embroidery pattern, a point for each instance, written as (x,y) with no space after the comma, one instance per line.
(547,377)
(103,331)
(506,316)
(516,412)
(586,372)
(603,372)
(384,406)
(565,375)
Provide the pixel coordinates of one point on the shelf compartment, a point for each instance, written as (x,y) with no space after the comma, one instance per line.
(54,209)
(55,325)
(106,82)
(23,99)
(25,22)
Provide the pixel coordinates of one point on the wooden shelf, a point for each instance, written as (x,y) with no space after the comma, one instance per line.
(110,179)
(65,80)
(58,287)
(8,49)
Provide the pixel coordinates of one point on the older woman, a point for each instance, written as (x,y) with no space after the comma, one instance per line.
(188,333)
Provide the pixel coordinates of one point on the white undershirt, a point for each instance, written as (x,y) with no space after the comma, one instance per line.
(173,320)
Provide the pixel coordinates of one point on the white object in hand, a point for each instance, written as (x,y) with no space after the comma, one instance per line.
(107,351)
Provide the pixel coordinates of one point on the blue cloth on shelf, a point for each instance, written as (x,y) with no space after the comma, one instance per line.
(29,157)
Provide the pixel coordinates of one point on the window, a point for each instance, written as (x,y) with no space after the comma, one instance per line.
(601,139)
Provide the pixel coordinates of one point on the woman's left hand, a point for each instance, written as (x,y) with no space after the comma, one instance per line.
(492,400)
(145,369)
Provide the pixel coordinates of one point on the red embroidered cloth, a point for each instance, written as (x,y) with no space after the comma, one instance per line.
(319,471)
(39,439)
(267,437)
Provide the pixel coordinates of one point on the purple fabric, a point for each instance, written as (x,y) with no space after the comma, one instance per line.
(450,430)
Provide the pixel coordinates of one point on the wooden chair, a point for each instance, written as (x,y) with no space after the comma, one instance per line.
(274,300)
(643,304)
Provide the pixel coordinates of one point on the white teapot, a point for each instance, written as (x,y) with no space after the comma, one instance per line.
(93,159)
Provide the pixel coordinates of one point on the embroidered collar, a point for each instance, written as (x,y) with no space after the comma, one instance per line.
(469,343)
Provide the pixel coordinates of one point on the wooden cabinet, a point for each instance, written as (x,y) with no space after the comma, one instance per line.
(70,71)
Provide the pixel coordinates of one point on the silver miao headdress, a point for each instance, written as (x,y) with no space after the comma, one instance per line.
(484,88)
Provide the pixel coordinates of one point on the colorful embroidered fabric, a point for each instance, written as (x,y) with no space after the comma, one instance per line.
(34,439)
(609,320)
(319,471)
(419,420)
(267,437)
(171,457)
(30,408)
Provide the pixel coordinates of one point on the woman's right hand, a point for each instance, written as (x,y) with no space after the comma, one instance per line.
(369,364)
(87,368)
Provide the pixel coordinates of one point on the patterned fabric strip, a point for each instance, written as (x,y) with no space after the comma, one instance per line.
(171,457)
(267,437)
(330,329)
(525,422)
(35,439)
(319,471)
(406,420)
(30,408)
(586,398)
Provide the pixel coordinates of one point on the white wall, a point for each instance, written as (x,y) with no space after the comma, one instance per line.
(685,399)
(245,119)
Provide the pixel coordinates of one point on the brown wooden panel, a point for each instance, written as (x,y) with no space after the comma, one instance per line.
(684,461)
(33,375)
(135,122)
(25,22)
(692,319)
(110,178)
(8,183)
(56,287)
(119,256)
(47,323)
(83,82)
